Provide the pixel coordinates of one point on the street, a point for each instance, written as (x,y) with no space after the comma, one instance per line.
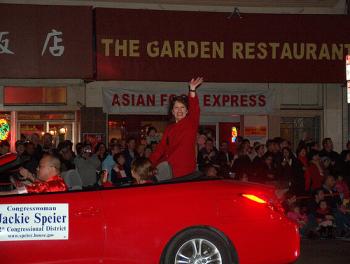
(324,251)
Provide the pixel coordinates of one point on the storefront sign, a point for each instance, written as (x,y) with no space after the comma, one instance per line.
(255,128)
(34,222)
(174,46)
(155,101)
(38,41)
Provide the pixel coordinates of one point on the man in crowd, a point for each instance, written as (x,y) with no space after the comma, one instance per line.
(47,179)
(87,165)
(130,155)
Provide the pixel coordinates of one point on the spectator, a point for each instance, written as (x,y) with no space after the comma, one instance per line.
(325,220)
(269,172)
(210,171)
(328,151)
(152,136)
(314,174)
(47,180)
(178,143)
(35,138)
(257,172)
(242,164)
(48,143)
(300,218)
(302,157)
(201,139)
(118,175)
(291,172)
(140,150)
(66,156)
(148,152)
(87,166)
(207,155)
(101,151)
(4,147)
(109,161)
(142,171)
(342,188)
(130,155)
(225,153)
(20,148)
(32,163)
(345,166)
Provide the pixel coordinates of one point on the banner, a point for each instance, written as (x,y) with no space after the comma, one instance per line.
(20,222)
(154,101)
(38,41)
(154,45)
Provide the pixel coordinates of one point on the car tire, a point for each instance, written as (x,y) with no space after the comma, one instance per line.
(181,249)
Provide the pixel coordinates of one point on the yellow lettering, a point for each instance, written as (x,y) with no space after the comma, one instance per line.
(153,49)
(166,50)
(237,50)
(134,48)
(337,52)
(311,51)
(106,43)
(324,52)
(205,51)
(192,49)
(218,51)
(179,49)
(274,47)
(299,55)
(262,54)
(347,46)
(249,50)
(286,52)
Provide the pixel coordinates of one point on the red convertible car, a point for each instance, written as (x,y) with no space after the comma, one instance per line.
(199,221)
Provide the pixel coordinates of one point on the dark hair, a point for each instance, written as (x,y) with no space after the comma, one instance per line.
(4,143)
(98,145)
(129,139)
(325,140)
(150,129)
(179,98)
(143,167)
(117,156)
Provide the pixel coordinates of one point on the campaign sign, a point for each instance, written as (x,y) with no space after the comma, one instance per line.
(34,222)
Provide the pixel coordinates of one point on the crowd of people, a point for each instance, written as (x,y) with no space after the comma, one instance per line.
(312,182)
(314,179)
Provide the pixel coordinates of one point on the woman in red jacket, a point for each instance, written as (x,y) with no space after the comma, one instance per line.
(178,143)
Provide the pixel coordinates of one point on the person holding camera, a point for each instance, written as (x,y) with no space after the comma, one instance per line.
(87,165)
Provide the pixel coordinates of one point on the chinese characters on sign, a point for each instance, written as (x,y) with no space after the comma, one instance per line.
(4,43)
(55,50)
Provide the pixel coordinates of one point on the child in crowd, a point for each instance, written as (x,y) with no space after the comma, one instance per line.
(299,217)
(342,187)
(118,175)
(210,171)
(103,179)
(325,220)
(142,171)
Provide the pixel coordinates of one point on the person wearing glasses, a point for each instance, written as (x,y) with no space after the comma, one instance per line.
(47,180)
(178,143)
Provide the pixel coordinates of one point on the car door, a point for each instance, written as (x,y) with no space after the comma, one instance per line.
(51,228)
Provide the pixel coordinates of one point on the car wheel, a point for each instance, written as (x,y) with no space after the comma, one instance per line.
(198,246)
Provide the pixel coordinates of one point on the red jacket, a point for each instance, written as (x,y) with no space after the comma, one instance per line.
(313,178)
(53,184)
(178,142)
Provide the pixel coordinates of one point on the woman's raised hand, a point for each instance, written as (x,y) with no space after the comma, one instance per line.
(195,83)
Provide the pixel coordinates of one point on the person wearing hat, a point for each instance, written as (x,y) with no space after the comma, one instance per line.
(314,174)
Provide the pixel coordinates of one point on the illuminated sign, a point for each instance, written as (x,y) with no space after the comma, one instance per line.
(4,129)
(234,134)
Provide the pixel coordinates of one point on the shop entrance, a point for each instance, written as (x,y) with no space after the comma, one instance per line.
(62,126)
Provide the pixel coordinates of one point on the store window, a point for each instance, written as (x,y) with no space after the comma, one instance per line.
(122,127)
(18,95)
(295,129)
(61,125)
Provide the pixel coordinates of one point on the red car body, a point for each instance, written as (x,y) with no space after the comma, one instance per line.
(134,224)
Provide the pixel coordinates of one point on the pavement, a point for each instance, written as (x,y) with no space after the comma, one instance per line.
(330,251)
